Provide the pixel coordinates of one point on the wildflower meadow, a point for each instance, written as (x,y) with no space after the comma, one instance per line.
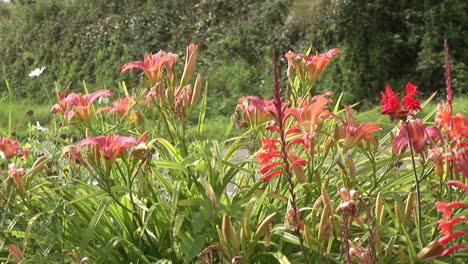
(118,179)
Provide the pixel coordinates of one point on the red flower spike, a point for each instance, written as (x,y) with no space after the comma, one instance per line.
(450,237)
(458,184)
(270,166)
(391,104)
(446,226)
(447,208)
(452,249)
(299,162)
(271,175)
(448,76)
(293,130)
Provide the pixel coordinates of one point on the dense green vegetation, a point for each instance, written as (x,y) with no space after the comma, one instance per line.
(381,42)
(160,169)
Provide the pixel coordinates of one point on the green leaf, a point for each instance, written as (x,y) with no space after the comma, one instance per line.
(201,117)
(88,234)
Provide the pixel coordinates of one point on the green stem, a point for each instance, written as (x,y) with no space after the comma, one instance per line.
(418,191)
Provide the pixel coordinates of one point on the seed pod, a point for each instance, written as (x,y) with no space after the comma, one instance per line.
(398,215)
(402,255)
(229,233)
(379,209)
(408,208)
(326,198)
(307,234)
(196,91)
(263,226)
(323,223)
(351,167)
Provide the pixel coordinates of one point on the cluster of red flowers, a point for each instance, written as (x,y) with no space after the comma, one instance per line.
(448,228)
(392,106)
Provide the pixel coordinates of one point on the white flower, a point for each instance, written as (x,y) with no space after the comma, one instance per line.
(36,72)
(103,100)
(41,128)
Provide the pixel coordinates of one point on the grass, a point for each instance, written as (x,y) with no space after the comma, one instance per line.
(214,127)
(20,121)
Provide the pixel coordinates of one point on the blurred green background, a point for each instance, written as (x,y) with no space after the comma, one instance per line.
(381,41)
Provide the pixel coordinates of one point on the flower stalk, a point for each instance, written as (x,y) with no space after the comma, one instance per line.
(416,180)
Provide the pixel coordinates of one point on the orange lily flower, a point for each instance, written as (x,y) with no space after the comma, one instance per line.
(122,107)
(152,65)
(112,146)
(309,116)
(355,132)
(254,111)
(309,67)
(15,173)
(10,148)
(78,105)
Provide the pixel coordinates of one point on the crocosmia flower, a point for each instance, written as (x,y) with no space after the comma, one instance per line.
(392,106)
(448,228)
(112,146)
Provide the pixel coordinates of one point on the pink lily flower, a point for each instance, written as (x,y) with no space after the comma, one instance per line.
(78,105)
(11,148)
(152,65)
(112,146)
(419,133)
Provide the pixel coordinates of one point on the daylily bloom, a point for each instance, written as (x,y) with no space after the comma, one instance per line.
(419,136)
(10,148)
(78,105)
(392,106)
(122,107)
(456,126)
(254,111)
(15,173)
(112,146)
(309,116)
(362,254)
(349,201)
(355,132)
(309,67)
(152,65)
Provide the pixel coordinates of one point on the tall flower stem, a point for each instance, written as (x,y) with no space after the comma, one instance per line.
(281,120)
(418,191)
